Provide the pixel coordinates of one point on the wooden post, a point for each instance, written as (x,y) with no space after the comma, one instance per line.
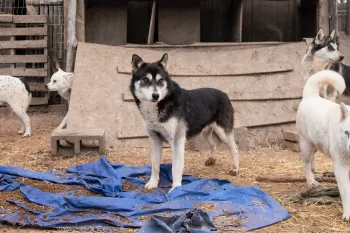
(322,16)
(71,40)
(152,24)
(332,12)
(347,24)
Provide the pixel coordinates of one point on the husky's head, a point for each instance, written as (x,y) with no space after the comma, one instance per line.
(150,81)
(60,80)
(325,47)
(345,126)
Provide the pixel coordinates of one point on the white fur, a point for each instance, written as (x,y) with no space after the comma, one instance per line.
(323,125)
(145,93)
(14,94)
(61,82)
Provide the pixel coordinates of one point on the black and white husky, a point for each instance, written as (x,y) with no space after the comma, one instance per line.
(323,54)
(173,114)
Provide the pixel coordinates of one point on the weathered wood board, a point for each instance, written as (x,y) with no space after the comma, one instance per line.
(100,97)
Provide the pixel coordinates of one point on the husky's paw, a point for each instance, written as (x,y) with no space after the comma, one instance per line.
(20,132)
(233,172)
(346,217)
(313,185)
(210,161)
(152,184)
(174,186)
(25,135)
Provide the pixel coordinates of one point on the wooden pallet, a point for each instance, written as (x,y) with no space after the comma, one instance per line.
(25,45)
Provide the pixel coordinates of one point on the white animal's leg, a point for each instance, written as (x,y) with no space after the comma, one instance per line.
(208,137)
(22,125)
(343,180)
(20,111)
(229,140)
(156,153)
(307,154)
(313,165)
(63,123)
(178,161)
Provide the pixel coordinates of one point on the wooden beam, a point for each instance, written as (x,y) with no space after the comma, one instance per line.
(37,87)
(23,72)
(23,31)
(44,2)
(332,12)
(72,40)
(39,101)
(29,19)
(347,25)
(8,59)
(5,18)
(23,44)
(152,24)
(322,16)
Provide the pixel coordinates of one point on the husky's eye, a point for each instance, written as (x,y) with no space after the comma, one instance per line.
(145,81)
(330,48)
(160,82)
(54,81)
(347,133)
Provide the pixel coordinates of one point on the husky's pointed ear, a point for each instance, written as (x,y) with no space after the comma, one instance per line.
(136,62)
(163,62)
(332,35)
(57,66)
(344,112)
(319,37)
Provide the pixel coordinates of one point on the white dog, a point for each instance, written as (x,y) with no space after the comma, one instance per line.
(15,93)
(61,82)
(325,126)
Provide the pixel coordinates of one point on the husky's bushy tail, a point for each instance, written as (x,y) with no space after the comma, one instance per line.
(320,79)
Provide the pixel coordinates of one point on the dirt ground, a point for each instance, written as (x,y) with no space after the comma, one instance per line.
(34,153)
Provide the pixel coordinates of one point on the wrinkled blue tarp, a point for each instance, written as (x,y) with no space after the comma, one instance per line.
(249,207)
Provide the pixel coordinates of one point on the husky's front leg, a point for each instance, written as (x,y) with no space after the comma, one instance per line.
(178,157)
(343,180)
(156,153)
(63,123)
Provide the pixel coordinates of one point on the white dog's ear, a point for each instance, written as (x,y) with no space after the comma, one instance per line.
(332,35)
(136,62)
(164,61)
(319,37)
(344,112)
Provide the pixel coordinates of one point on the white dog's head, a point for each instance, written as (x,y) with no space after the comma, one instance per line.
(345,125)
(60,81)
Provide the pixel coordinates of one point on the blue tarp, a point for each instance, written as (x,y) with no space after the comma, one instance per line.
(232,206)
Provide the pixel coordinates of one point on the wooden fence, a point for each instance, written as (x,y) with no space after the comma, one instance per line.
(23,46)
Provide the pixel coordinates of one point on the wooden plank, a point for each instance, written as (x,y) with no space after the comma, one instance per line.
(39,101)
(247,114)
(150,39)
(23,72)
(332,12)
(44,2)
(40,31)
(37,87)
(5,18)
(261,68)
(29,19)
(8,59)
(23,44)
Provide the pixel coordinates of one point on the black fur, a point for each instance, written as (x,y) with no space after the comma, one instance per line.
(325,42)
(343,70)
(26,86)
(199,107)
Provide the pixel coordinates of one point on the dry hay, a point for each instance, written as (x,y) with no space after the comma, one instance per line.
(34,154)
(206,207)
(63,189)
